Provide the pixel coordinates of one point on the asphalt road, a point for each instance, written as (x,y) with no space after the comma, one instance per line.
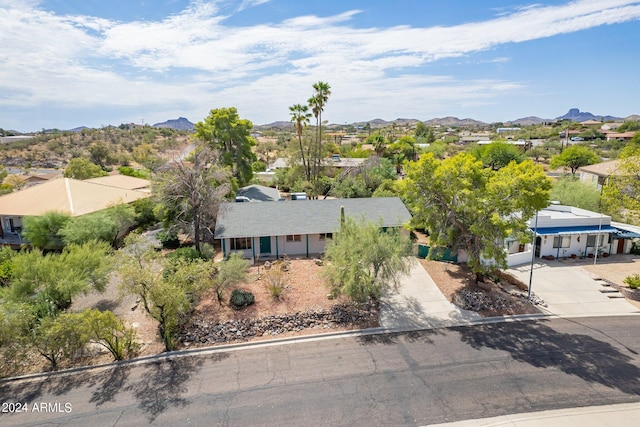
(412,378)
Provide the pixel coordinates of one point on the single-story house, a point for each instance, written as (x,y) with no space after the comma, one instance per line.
(20,181)
(624,136)
(122,181)
(271,230)
(334,161)
(257,193)
(565,231)
(65,195)
(599,173)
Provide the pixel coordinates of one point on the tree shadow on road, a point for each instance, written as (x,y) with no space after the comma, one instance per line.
(541,346)
(165,382)
(162,385)
(392,338)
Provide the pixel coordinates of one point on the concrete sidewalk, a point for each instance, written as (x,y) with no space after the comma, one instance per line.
(419,304)
(622,415)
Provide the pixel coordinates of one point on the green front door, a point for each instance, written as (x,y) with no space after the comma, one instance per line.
(265,245)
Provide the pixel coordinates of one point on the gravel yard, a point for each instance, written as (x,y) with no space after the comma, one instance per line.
(457,279)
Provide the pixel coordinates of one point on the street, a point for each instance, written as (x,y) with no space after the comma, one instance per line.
(412,378)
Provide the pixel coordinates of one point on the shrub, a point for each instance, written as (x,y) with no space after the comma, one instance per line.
(231,271)
(240,299)
(276,281)
(635,247)
(187,253)
(169,239)
(633,281)
(207,251)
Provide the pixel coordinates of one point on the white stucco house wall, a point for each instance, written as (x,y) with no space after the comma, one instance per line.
(566,231)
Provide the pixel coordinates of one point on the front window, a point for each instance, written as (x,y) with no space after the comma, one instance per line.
(240,243)
(591,241)
(562,242)
(294,238)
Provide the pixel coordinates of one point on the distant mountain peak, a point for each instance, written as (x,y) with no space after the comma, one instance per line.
(181,123)
(575,115)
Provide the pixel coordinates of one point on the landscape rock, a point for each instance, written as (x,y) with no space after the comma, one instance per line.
(205,332)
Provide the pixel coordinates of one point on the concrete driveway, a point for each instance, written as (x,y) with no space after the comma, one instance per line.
(571,291)
(417,303)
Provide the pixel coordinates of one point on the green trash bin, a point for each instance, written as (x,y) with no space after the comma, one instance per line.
(423,251)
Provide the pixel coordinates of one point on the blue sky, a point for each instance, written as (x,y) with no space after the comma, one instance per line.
(67,63)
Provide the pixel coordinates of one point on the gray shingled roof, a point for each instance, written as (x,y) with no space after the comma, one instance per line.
(305,216)
(259,193)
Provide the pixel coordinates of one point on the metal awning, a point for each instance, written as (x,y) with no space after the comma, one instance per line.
(625,234)
(584,229)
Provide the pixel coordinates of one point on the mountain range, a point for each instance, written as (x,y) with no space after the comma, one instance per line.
(574,114)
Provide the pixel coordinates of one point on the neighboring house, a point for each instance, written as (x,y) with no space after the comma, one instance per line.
(122,181)
(257,193)
(611,126)
(65,195)
(599,173)
(565,231)
(624,136)
(334,161)
(591,122)
(20,181)
(271,230)
(474,138)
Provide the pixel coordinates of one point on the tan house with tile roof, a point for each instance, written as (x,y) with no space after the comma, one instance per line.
(70,196)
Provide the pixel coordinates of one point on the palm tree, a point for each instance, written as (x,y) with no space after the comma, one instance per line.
(317,102)
(379,144)
(300,116)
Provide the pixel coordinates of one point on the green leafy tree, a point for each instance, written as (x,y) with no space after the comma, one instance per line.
(574,157)
(536,153)
(621,193)
(138,268)
(108,330)
(317,102)
(572,192)
(224,130)
(81,168)
(350,187)
(189,195)
(499,154)
(174,297)
(364,260)
(466,206)
(57,338)
(424,133)
(100,155)
(300,117)
(167,298)
(16,323)
(6,265)
(44,231)
(104,225)
(60,277)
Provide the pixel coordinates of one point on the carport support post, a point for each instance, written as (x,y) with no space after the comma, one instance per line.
(533,254)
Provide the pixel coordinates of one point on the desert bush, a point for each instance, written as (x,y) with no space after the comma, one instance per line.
(241,299)
(168,239)
(276,280)
(207,251)
(633,281)
(231,271)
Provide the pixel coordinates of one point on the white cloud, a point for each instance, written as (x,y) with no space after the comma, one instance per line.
(246,4)
(84,60)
